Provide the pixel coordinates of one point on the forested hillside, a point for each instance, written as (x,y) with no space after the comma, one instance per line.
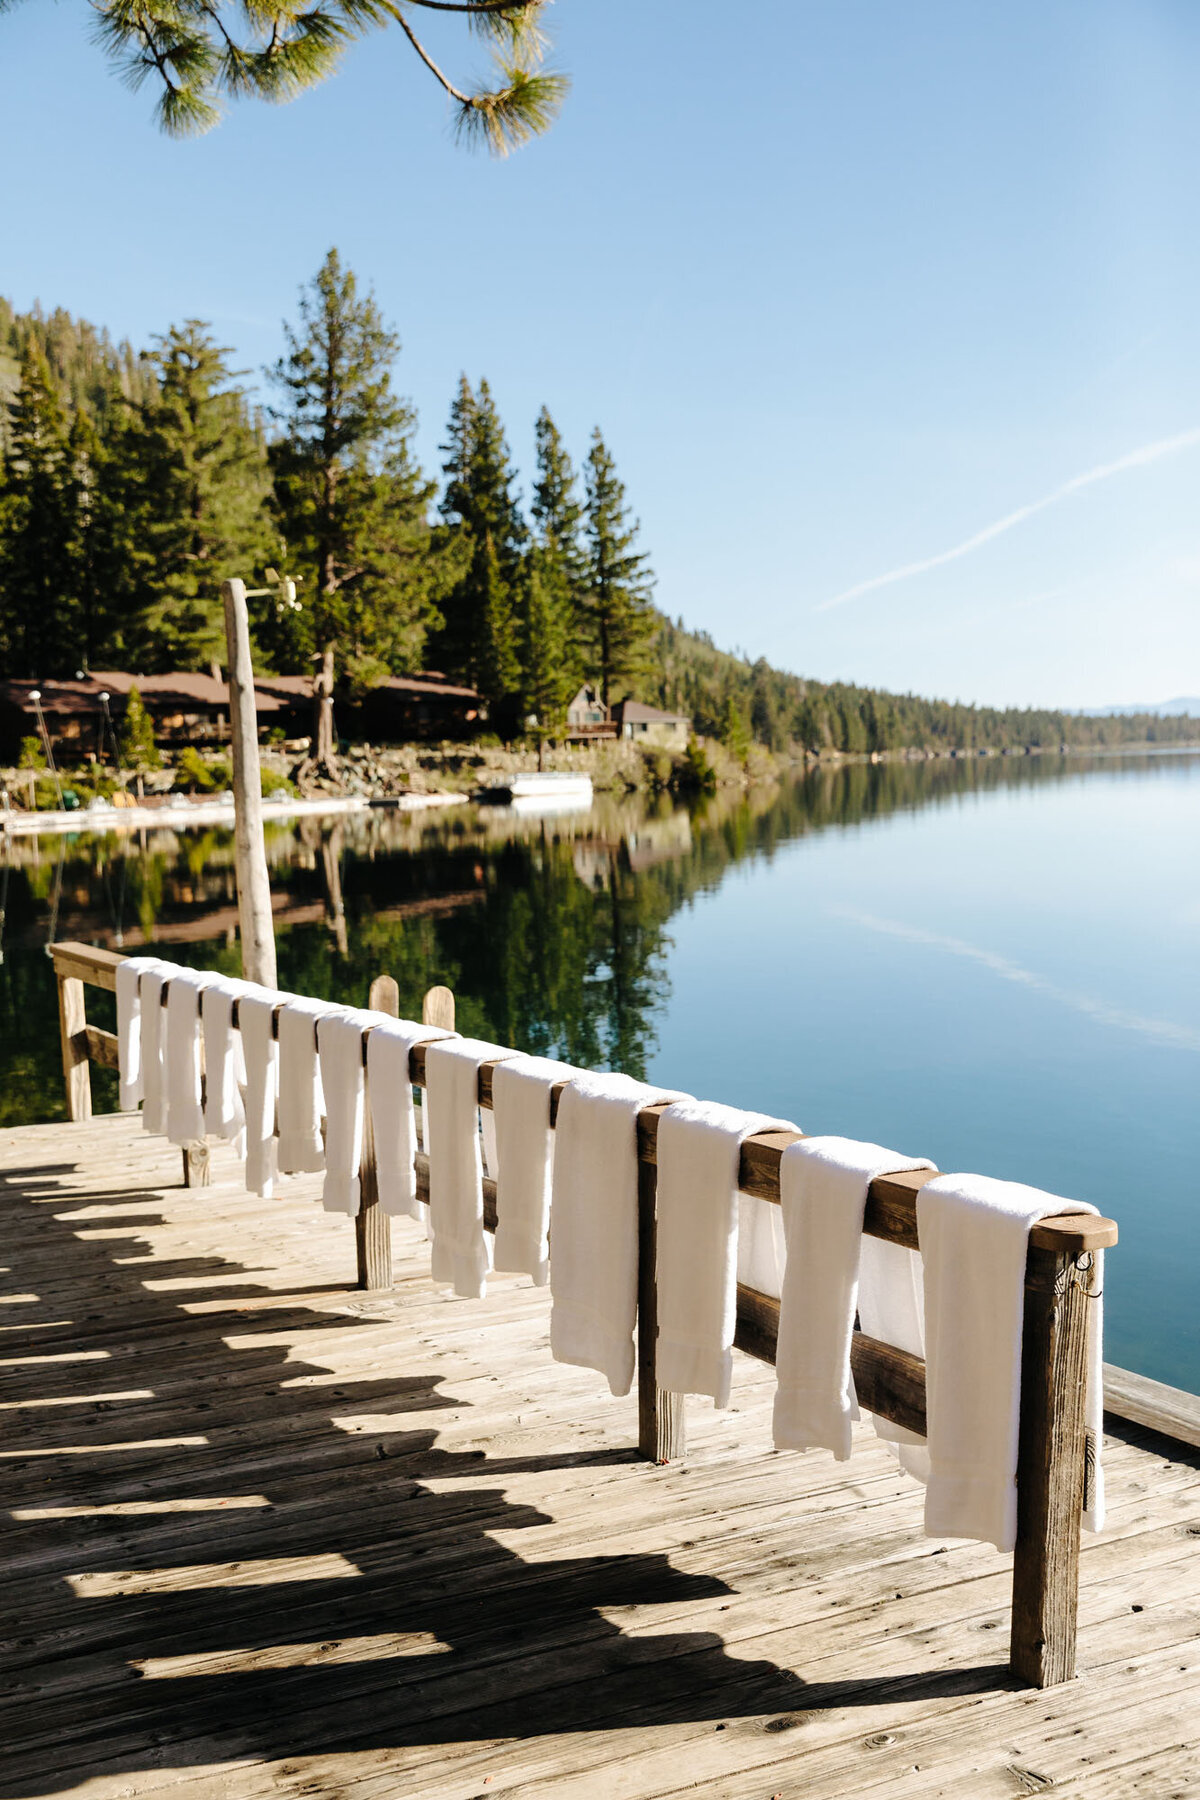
(731,698)
(133,482)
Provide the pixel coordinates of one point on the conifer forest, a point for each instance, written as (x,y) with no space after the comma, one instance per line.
(133,482)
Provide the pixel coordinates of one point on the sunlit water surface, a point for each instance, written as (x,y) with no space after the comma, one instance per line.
(992,963)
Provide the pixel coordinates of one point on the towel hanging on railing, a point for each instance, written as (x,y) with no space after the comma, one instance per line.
(461,1251)
(699,1148)
(521,1090)
(224,1060)
(393,1116)
(823,1184)
(256,1018)
(974,1234)
(181,1057)
(594,1235)
(154,1090)
(301,1151)
(129,1029)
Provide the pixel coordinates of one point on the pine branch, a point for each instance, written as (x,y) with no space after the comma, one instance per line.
(197,56)
(504,119)
(414,40)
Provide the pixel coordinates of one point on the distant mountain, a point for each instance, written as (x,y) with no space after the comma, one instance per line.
(1163,709)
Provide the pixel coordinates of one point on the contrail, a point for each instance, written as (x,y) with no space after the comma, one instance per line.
(1136,459)
(1163,1031)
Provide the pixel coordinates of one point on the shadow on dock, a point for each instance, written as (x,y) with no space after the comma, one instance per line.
(152,1432)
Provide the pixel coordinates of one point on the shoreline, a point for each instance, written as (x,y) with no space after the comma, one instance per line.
(187,813)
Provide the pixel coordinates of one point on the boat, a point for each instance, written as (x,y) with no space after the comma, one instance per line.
(538,788)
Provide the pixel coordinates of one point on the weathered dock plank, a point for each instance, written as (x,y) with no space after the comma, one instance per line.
(269,1535)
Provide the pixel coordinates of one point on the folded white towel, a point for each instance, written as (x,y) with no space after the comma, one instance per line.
(129,1028)
(300,1148)
(974,1234)
(340,1043)
(224,1063)
(185,1111)
(699,1148)
(594,1239)
(256,1011)
(393,1117)
(823,1183)
(460,1248)
(154,1088)
(525,1155)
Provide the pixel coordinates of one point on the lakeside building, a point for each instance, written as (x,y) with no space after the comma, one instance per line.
(590,721)
(187,706)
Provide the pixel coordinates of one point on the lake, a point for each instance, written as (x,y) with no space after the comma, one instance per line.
(990,962)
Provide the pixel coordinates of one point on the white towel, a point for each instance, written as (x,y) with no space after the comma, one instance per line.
(224,1063)
(525,1154)
(393,1117)
(154,1090)
(301,1151)
(460,1249)
(823,1183)
(256,1010)
(974,1234)
(340,1044)
(594,1239)
(129,1028)
(699,1148)
(185,1111)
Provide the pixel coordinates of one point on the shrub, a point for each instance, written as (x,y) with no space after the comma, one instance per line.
(136,739)
(694,774)
(32,754)
(194,776)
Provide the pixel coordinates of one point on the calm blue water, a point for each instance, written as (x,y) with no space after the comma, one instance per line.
(1009,984)
(993,964)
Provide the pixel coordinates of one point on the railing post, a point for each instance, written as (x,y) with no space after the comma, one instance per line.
(72,1024)
(661,1429)
(197,1164)
(372,1227)
(437,1008)
(1051,1467)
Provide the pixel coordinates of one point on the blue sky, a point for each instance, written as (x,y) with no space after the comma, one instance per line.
(845,284)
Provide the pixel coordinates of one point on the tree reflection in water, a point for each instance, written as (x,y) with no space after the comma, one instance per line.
(553,933)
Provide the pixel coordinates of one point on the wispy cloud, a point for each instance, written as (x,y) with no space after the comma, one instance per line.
(1134,459)
(1163,1031)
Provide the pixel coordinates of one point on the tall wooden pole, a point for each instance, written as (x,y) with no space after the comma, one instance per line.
(254,891)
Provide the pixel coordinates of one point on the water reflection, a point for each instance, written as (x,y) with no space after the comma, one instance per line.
(1006,979)
(553,932)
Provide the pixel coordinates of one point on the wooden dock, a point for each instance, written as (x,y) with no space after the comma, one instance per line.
(269,1535)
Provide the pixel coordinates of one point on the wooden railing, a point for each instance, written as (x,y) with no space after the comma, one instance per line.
(889,1382)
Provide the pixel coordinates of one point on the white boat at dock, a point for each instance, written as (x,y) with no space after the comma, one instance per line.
(536,790)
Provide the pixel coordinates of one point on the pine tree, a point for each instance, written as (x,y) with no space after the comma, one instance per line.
(549,643)
(557,513)
(136,736)
(40,627)
(618,577)
(203,479)
(349,498)
(112,562)
(485,531)
(734,732)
